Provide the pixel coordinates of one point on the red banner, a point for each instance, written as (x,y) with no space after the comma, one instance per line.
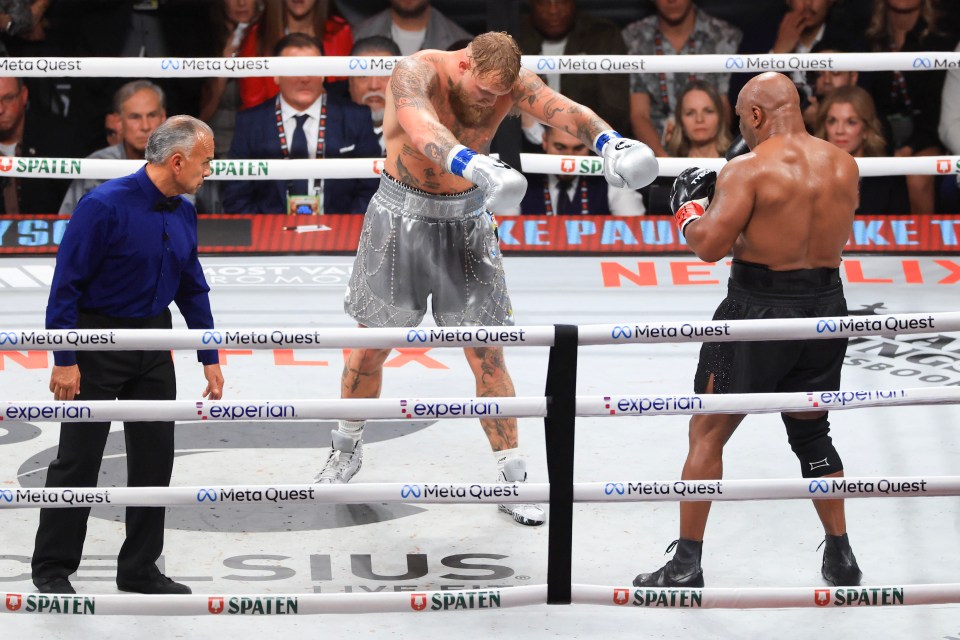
(597,235)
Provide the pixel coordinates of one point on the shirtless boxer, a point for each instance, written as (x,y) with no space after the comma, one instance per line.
(430,232)
(786,209)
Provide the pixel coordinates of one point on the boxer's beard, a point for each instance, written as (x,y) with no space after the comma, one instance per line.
(466,112)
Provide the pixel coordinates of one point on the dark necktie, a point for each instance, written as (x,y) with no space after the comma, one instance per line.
(298,151)
(564,206)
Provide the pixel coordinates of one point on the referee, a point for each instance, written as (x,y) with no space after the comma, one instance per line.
(129,251)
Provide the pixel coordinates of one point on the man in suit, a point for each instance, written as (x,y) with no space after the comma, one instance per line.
(571,194)
(29,133)
(302,121)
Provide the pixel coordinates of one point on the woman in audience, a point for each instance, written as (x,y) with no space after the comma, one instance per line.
(318,18)
(696,131)
(909,102)
(848,119)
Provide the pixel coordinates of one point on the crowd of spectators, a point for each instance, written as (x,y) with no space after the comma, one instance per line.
(870,113)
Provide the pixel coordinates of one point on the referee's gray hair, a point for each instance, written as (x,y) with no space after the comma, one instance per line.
(125,92)
(179,133)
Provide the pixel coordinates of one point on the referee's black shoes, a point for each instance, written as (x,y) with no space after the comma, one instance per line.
(158,584)
(54,585)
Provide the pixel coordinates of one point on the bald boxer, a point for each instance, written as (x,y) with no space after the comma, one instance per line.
(429,230)
(786,209)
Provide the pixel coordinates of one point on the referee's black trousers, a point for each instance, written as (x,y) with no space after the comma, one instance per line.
(111,375)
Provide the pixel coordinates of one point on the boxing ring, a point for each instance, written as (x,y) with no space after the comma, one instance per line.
(417,531)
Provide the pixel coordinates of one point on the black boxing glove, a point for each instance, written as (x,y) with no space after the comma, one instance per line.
(691,193)
(737,148)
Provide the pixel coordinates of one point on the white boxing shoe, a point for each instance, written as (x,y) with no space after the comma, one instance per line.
(531,515)
(343,460)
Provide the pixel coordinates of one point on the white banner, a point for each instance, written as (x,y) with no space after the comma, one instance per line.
(766,597)
(342,168)
(227,605)
(691,404)
(273,410)
(765,489)
(779,329)
(272,338)
(359,493)
(244,67)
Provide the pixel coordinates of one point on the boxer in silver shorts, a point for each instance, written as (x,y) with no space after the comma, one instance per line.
(428,233)
(402,260)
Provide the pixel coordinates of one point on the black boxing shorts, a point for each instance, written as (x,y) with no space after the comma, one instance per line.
(756,292)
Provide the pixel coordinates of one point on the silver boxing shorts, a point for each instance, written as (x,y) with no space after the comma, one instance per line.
(416,245)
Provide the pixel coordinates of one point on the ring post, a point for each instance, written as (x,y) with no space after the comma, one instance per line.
(559,425)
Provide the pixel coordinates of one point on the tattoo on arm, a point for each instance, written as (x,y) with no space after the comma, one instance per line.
(409,84)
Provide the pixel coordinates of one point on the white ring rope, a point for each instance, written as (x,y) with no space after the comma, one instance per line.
(766,597)
(280,410)
(447,408)
(483,493)
(477,599)
(340,168)
(242,67)
(274,604)
(532,336)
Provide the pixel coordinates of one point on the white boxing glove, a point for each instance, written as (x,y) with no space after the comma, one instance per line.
(503,186)
(626,163)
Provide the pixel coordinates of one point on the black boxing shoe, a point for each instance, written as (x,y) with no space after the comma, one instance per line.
(839,564)
(159,584)
(683,571)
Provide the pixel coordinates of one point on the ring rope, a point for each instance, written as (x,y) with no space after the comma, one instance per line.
(531,336)
(447,408)
(344,168)
(244,67)
(479,599)
(484,493)
(274,604)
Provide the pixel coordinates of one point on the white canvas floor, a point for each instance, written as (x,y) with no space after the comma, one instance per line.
(339,548)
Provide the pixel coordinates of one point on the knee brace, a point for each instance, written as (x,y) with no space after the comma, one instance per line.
(811,442)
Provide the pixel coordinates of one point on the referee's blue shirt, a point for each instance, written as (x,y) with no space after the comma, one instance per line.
(122,257)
